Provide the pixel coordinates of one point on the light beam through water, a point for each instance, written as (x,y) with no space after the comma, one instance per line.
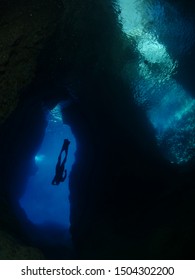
(169,107)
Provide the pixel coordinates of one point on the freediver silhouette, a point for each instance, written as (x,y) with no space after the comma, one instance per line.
(61,172)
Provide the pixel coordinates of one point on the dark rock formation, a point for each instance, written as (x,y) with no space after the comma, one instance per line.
(125,199)
(25,26)
(11,249)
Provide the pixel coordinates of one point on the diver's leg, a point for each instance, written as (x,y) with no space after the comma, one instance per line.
(65,158)
(58,164)
(64,146)
(65,175)
(63,163)
(66,151)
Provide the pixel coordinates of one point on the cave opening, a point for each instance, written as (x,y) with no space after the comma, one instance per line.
(42,211)
(42,202)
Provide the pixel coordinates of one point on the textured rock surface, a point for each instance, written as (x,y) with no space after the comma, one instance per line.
(11,249)
(24,28)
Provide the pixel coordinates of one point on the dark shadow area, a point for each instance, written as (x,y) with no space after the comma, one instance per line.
(126,200)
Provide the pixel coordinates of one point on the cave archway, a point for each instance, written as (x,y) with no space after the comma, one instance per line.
(42,202)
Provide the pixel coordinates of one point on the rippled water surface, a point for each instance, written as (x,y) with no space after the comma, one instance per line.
(162,36)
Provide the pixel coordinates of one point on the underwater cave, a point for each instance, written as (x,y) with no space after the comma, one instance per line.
(42,202)
(119,86)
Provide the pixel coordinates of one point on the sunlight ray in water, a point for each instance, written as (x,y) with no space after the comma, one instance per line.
(169,107)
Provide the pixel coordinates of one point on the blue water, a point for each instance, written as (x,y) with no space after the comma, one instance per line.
(43,202)
(162,37)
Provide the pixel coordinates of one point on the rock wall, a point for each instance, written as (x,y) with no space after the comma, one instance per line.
(12,249)
(25,26)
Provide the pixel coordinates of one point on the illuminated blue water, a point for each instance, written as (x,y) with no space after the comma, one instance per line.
(162,36)
(43,202)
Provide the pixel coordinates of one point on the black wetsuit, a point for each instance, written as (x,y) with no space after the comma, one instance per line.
(61,172)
